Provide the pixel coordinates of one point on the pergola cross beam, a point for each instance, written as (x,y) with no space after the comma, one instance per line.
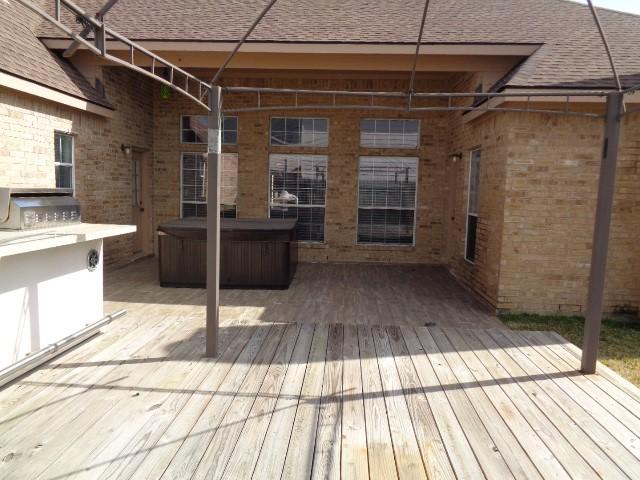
(71,50)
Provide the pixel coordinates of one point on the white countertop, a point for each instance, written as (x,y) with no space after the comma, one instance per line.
(14,243)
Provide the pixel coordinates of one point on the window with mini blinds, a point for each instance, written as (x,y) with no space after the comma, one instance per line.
(387,200)
(297,189)
(194,177)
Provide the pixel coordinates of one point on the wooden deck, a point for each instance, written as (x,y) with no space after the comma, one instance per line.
(314,399)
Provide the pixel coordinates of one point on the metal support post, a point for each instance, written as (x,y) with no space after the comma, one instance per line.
(214,159)
(606,188)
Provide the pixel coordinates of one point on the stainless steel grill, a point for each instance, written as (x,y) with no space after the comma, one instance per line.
(36,208)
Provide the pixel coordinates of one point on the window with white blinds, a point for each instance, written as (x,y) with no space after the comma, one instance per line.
(472,206)
(387,200)
(194,176)
(195,129)
(297,189)
(298,131)
(64,159)
(389,133)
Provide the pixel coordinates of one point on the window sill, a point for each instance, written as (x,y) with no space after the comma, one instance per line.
(382,247)
(313,245)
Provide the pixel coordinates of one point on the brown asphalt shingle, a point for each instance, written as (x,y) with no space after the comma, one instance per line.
(23,55)
(571,54)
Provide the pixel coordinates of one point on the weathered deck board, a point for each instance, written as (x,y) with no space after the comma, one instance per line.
(296,399)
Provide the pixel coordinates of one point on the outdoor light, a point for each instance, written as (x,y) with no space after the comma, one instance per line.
(456,157)
(126,149)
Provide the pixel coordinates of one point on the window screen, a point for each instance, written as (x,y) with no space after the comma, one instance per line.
(194,185)
(395,133)
(312,132)
(472,208)
(63,163)
(194,129)
(297,189)
(387,200)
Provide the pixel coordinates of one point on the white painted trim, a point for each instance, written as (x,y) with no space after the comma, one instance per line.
(290,47)
(31,88)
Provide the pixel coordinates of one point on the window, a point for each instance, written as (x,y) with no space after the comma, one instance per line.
(297,189)
(63,160)
(387,200)
(194,129)
(194,185)
(307,132)
(472,207)
(380,133)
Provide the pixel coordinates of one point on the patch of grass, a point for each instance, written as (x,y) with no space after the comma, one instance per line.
(619,339)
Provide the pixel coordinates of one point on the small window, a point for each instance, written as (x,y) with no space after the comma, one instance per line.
(64,160)
(387,200)
(306,132)
(194,185)
(394,133)
(297,189)
(472,206)
(194,129)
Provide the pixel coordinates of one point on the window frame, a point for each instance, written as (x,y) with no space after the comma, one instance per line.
(415,206)
(326,190)
(66,165)
(469,214)
(180,130)
(182,201)
(416,147)
(297,145)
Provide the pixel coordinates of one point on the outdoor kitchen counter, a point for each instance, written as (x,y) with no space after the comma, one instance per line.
(50,288)
(25,241)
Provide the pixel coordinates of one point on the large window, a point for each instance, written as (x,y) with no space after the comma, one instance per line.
(387,200)
(297,189)
(472,206)
(63,159)
(194,129)
(194,179)
(308,132)
(394,133)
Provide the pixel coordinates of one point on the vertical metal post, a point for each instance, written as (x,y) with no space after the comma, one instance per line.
(600,248)
(214,159)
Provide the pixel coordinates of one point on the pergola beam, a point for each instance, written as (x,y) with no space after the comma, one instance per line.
(600,247)
(214,160)
(603,36)
(417,53)
(71,50)
(255,23)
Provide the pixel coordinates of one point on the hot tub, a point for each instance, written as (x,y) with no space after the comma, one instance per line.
(254,253)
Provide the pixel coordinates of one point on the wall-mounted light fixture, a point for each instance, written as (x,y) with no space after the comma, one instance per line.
(126,149)
(456,157)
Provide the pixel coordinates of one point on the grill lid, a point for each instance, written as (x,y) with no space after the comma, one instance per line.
(33,208)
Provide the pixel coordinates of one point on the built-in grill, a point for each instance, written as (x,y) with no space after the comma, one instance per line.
(36,208)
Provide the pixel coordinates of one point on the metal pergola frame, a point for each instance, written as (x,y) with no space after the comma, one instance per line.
(197,90)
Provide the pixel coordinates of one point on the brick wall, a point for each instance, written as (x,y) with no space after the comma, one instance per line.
(488,134)
(552,172)
(102,171)
(343,152)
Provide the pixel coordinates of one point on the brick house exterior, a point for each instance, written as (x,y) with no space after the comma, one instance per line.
(538,172)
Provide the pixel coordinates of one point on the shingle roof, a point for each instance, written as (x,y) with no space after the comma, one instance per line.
(23,55)
(571,54)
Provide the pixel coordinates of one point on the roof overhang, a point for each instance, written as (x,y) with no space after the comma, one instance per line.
(495,102)
(493,49)
(13,82)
